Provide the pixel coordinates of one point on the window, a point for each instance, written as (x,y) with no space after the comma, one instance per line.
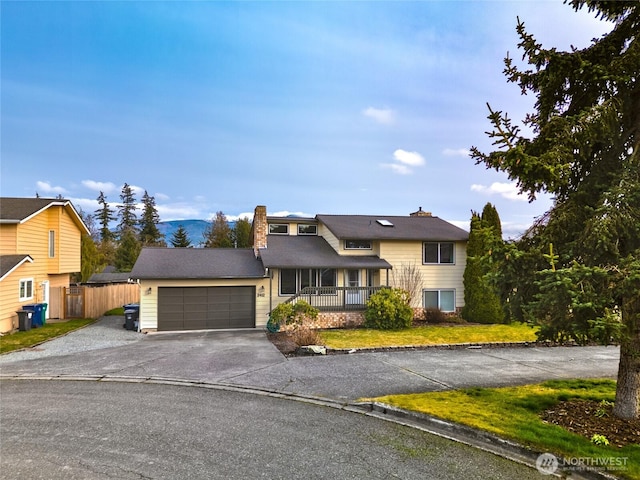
(52,243)
(292,280)
(279,228)
(357,244)
(305,229)
(26,289)
(438,252)
(444,300)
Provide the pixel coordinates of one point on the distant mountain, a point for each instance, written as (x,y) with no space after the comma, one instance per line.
(195,230)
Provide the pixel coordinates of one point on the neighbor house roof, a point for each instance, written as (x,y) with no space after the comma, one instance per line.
(381,227)
(19,210)
(295,251)
(186,263)
(8,263)
(110,277)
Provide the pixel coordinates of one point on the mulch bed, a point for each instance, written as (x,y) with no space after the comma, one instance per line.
(580,417)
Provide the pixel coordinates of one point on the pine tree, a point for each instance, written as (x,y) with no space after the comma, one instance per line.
(481,301)
(127,210)
(242,233)
(585,151)
(149,233)
(105,215)
(180,239)
(219,234)
(127,252)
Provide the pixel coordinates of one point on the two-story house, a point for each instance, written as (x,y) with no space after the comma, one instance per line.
(335,262)
(40,247)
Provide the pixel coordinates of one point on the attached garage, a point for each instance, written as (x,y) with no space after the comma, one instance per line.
(197,308)
(201,289)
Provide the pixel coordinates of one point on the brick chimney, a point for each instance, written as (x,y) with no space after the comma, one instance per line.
(420,213)
(259,229)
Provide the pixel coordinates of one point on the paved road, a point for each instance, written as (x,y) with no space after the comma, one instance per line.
(67,430)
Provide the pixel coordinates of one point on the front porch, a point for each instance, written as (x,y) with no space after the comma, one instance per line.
(335,299)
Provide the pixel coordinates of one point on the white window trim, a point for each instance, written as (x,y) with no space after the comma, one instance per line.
(307,225)
(370,247)
(440,290)
(279,225)
(25,281)
(52,243)
(453,251)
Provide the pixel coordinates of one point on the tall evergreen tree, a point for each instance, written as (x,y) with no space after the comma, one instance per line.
(491,219)
(127,210)
(149,233)
(180,239)
(219,234)
(584,150)
(241,235)
(127,252)
(481,301)
(105,215)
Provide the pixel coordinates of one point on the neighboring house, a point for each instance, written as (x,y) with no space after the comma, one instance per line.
(335,262)
(109,276)
(40,247)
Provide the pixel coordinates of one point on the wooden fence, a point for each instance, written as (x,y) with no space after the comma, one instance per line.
(92,302)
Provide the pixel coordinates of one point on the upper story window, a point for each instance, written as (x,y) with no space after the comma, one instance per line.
(52,243)
(306,229)
(26,289)
(438,252)
(279,229)
(357,244)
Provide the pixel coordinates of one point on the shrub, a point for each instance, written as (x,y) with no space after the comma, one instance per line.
(434,315)
(303,336)
(291,314)
(388,309)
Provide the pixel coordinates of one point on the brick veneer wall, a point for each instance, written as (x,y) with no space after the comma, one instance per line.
(332,320)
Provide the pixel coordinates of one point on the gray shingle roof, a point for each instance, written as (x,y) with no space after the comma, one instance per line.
(9,262)
(366,227)
(17,209)
(291,251)
(186,263)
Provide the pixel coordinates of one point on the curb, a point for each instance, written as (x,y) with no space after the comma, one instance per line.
(455,432)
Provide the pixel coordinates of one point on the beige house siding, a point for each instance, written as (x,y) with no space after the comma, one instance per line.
(68,244)
(149,298)
(443,276)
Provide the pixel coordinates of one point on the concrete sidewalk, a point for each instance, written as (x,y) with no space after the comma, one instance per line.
(246,358)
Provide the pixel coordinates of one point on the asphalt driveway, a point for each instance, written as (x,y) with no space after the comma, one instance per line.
(246,358)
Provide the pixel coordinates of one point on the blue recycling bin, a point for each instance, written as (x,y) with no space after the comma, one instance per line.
(37,314)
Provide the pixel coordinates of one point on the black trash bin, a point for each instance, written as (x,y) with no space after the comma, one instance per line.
(24,320)
(37,314)
(130,319)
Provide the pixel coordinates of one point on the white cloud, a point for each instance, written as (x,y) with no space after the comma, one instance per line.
(46,187)
(399,169)
(413,159)
(453,152)
(504,189)
(286,213)
(161,196)
(105,187)
(385,116)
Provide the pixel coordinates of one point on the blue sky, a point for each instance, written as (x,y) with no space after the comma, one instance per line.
(306,107)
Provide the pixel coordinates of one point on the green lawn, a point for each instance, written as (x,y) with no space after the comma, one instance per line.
(429,335)
(513,413)
(18,340)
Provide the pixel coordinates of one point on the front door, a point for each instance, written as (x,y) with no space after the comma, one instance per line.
(353,297)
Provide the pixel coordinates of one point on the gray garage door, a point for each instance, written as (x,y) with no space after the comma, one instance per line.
(194,308)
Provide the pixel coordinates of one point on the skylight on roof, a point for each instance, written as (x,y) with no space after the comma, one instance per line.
(384,223)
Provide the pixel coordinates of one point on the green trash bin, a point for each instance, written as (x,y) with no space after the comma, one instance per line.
(44,313)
